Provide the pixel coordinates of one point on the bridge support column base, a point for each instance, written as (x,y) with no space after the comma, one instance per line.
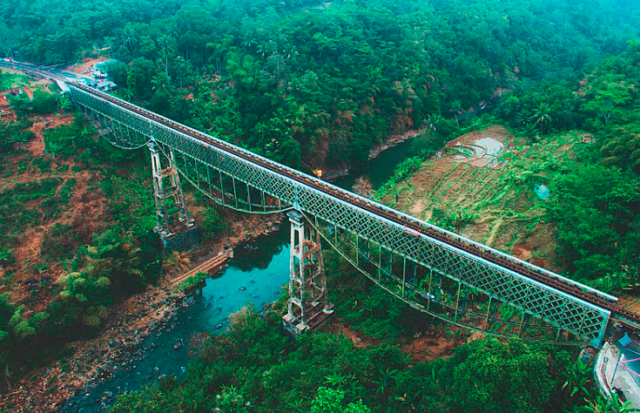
(308,301)
(184,240)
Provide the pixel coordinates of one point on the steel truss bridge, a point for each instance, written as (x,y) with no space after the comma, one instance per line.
(433,270)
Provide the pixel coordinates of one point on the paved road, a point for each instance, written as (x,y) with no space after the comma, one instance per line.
(620,367)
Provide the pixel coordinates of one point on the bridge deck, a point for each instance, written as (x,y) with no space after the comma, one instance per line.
(532,289)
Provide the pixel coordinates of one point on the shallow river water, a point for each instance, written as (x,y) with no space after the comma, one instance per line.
(256,274)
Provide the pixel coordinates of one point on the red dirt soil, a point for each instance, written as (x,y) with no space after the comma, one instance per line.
(84,202)
(83,68)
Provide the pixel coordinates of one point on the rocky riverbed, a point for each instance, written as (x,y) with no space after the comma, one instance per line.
(94,361)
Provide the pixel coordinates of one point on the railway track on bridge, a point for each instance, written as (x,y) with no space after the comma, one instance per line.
(398,218)
(413,227)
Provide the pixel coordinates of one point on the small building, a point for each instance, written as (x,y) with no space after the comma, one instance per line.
(105,86)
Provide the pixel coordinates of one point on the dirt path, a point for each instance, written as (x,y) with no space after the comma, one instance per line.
(422,347)
(83,67)
(338,325)
(29,92)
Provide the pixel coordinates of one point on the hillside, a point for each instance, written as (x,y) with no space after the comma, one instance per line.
(495,204)
(76,226)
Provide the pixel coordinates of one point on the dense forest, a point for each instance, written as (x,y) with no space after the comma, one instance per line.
(322,82)
(316,85)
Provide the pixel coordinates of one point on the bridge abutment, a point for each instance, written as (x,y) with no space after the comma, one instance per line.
(308,300)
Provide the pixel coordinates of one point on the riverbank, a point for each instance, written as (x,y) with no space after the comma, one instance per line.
(93,361)
(339,175)
(393,140)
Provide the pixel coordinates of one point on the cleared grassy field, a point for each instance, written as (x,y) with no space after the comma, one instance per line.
(493,205)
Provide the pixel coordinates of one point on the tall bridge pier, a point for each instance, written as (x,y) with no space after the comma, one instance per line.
(308,301)
(176,227)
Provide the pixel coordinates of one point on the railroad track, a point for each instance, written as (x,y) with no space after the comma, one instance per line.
(591,297)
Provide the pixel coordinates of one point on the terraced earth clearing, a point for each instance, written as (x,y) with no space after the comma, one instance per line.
(495,205)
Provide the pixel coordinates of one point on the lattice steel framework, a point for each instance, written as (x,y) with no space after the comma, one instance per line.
(308,299)
(430,275)
(175,225)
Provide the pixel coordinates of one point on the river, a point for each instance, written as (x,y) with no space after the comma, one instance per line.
(257,274)
(379,170)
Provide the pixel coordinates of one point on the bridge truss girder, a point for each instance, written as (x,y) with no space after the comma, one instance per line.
(243,185)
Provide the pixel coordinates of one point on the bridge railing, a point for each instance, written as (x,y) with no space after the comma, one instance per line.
(336,214)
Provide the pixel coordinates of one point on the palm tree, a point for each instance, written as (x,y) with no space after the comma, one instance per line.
(165,43)
(476,124)
(65,103)
(602,405)
(541,115)
(433,120)
(160,84)
(456,107)
(131,40)
(249,44)
(127,93)
(577,379)
(176,262)
(529,130)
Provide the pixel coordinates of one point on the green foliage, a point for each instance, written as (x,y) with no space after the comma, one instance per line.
(367,307)
(29,203)
(131,201)
(212,224)
(256,368)
(454,221)
(21,105)
(622,148)
(499,377)
(595,210)
(315,84)
(15,331)
(578,379)
(67,141)
(102,267)
(330,400)
(6,257)
(402,171)
(43,164)
(301,81)
(59,242)
(44,103)
(191,282)
(13,136)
